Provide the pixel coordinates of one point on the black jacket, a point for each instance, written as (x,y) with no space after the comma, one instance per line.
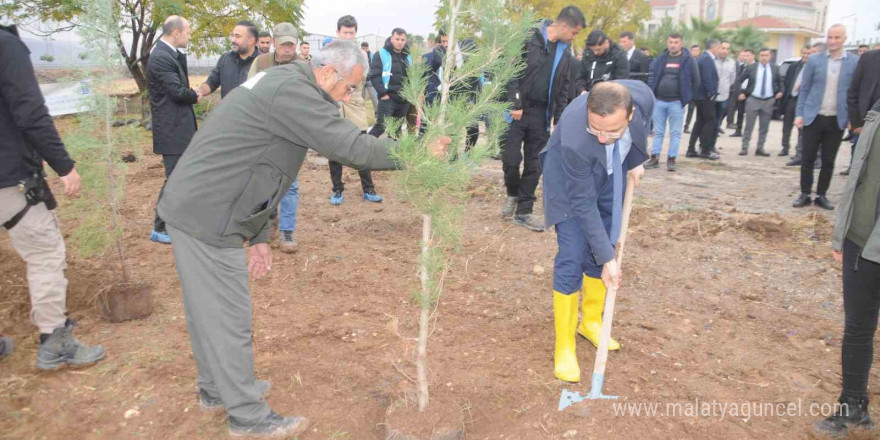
(399,68)
(230,72)
(639,63)
(864,90)
(535,55)
(790,77)
(171,100)
(751,73)
(27,133)
(610,66)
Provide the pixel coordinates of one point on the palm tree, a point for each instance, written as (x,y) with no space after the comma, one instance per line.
(746,38)
(700,31)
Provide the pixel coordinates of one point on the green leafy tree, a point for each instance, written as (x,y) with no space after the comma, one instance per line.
(611,16)
(656,40)
(437,187)
(139,21)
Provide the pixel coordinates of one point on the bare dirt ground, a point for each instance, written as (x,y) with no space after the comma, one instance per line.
(730,295)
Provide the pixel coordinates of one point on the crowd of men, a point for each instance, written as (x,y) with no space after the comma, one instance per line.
(581,121)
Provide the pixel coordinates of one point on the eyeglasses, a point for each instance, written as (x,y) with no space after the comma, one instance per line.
(349,88)
(605,134)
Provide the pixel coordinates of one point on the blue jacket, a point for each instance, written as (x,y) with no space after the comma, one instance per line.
(813,87)
(708,88)
(434,61)
(574,166)
(685,76)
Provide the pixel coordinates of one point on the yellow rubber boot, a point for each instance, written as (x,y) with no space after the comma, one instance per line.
(565,358)
(594,304)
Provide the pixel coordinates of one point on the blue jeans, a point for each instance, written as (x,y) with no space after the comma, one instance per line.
(674,112)
(289,204)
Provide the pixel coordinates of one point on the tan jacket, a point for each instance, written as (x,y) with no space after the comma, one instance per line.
(355,110)
(265,61)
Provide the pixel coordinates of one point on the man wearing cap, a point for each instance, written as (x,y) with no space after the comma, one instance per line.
(602,61)
(285,53)
(285,50)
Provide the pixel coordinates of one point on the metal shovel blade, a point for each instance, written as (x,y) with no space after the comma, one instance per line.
(569,398)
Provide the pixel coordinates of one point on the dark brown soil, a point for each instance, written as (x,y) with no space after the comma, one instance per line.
(722,301)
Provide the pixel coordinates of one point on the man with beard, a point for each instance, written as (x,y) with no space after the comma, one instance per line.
(232,68)
(264,42)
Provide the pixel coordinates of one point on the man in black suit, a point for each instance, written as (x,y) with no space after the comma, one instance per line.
(171,102)
(760,95)
(639,65)
(747,57)
(789,103)
(863,92)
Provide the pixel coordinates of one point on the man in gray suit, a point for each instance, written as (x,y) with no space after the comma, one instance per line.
(822,113)
(765,87)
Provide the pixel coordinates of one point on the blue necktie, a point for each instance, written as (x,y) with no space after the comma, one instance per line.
(617,185)
(764,82)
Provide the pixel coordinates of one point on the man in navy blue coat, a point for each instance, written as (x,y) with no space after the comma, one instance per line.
(601,136)
(704,99)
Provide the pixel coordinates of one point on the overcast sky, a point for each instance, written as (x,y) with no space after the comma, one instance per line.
(865,22)
(373,16)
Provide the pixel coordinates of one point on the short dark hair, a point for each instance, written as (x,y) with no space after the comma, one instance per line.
(764,49)
(572,16)
(264,34)
(627,34)
(644,48)
(712,43)
(365,44)
(398,31)
(304,43)
(440,34)
(747,50)
(864,45)
(695,46)
(675,35)
(175,24)
(608,97)
(347,21)
(251,27)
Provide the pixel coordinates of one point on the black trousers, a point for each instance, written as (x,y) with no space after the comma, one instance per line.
(524,140)
(336,178)
(704,127)
(732,107)
(740,114)
(169,161)
(690,115)
(788,123)
(393,107)
(861,302)
(822,135)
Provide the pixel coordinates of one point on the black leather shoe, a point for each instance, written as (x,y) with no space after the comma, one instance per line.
(822,202)
(784,152)
(801,201)
(710,156)
(691,154)
(794,162)
(850,414)
(743,152)
(762,153)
